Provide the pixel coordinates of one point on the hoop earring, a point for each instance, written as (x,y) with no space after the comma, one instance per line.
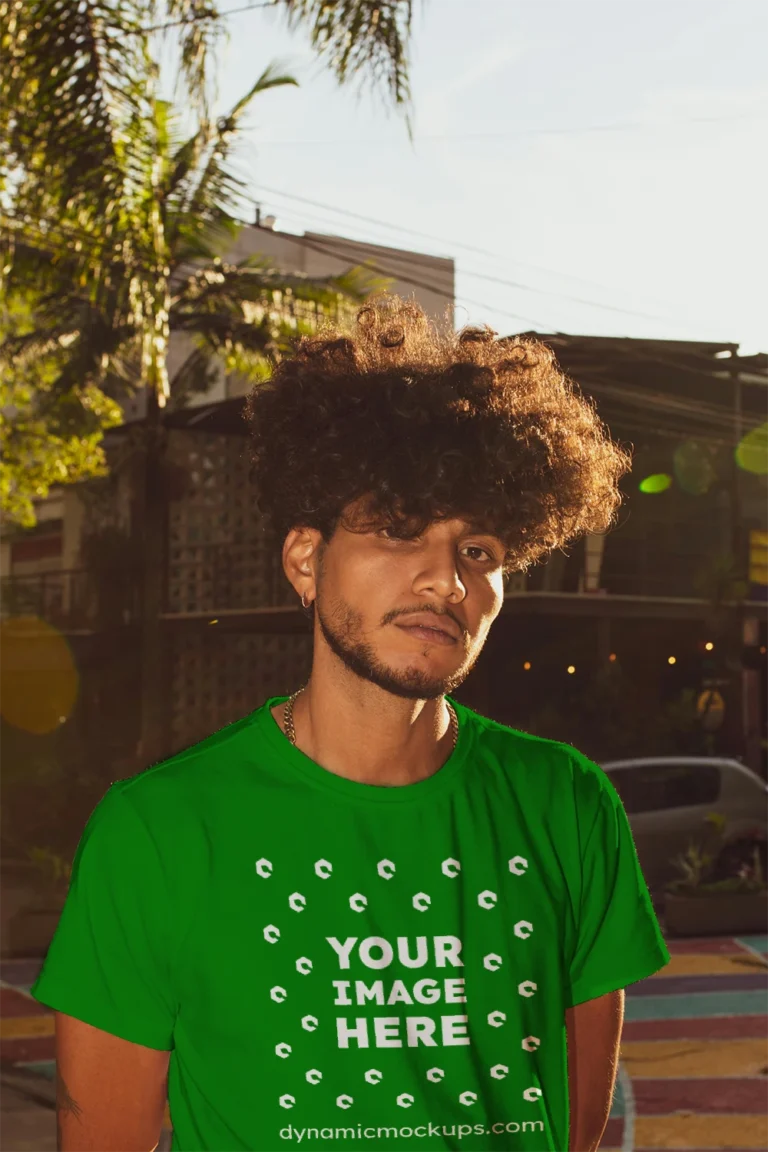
(305,606)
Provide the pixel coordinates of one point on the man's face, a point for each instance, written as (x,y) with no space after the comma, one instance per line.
(370,586)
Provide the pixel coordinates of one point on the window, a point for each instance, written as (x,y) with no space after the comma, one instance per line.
(655,787)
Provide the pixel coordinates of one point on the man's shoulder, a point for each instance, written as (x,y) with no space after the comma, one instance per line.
(183,778)
(514,747)
(494,734)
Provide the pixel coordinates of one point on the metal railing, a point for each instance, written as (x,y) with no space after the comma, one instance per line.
(642,570)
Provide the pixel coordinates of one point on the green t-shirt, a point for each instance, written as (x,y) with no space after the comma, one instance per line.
(338,965)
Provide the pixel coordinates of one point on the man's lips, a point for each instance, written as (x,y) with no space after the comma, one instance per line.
(434,632)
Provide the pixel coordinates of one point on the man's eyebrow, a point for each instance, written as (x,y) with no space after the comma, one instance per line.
(483,530)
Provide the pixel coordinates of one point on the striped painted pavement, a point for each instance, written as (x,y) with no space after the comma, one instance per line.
(694,1054)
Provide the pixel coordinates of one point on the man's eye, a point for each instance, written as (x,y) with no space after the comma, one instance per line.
(476,548)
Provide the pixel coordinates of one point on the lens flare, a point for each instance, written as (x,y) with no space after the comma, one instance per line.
(693,468)
(659,482)
(39,681)
(752,451)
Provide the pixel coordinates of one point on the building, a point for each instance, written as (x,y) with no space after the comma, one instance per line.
(670,606)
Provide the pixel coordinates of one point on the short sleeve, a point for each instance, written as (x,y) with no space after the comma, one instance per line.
(108,963)
(619,940)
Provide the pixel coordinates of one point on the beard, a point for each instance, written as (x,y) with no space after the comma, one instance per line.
(342,629)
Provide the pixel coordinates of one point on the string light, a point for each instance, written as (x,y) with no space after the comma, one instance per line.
(527,666)
(672,660)
(709,645)
(571,669)
(612,657)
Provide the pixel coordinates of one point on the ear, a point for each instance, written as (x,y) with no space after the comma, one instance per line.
(301,558)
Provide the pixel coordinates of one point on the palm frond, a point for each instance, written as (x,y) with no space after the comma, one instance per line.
(271,77)
(250,314)
(196,376)
(208,241)
(252,281)
(216,188)
(359,39)
(62,58)
(201,30)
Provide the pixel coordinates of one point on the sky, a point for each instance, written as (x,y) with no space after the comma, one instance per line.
(604,158)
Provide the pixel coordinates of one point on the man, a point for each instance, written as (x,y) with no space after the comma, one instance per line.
(365,916)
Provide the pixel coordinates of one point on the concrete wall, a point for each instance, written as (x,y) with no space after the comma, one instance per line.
(429,278)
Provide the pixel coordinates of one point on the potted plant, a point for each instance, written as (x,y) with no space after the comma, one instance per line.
(31,929)
(705,901)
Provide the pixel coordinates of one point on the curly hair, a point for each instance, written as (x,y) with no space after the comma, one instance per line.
(428,424)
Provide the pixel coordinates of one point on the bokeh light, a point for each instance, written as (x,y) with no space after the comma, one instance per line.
(39,681)
(659,482)
(693,468)
(752,451)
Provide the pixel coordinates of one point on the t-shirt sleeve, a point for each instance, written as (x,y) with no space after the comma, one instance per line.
(108,962)
(618,939)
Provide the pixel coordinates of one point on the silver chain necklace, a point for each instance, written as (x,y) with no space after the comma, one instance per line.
(290,730)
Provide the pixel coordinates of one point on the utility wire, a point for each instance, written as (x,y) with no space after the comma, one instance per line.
(438,240)
(625,126)
(389,272)
(203,16)
(427,260)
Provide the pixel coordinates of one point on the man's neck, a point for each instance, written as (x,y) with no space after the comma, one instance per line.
(371,737)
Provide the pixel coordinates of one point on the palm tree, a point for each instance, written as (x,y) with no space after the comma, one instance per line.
(116,227)
(107,298)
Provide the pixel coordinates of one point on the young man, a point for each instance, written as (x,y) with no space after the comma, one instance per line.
(364,916)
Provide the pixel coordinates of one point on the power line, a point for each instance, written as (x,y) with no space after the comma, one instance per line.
(416,258)
(516,132)
(389,272)
(564,296)
(427,236)
(203,16)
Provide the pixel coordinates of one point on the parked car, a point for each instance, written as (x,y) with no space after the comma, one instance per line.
(667,799)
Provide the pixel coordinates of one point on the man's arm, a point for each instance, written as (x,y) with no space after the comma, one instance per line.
(594,1034)
(110,1093)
